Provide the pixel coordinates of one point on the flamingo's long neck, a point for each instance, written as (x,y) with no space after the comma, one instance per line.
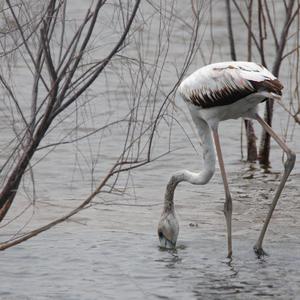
(203,177)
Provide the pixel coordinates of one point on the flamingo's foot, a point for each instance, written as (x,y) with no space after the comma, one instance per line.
(259,251)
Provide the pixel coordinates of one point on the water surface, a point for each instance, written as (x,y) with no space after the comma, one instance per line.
(110,250)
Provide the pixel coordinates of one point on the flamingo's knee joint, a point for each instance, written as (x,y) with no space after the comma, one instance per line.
(290,162)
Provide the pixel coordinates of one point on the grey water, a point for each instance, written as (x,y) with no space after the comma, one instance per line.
(110,250)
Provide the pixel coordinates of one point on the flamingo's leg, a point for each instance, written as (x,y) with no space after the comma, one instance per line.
(288,166)
(228,200)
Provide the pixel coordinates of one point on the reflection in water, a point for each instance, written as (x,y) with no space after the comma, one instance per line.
(171,260)
(121,265)
(230,264)
(242,277)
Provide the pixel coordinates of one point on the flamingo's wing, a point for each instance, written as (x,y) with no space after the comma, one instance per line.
(225,83)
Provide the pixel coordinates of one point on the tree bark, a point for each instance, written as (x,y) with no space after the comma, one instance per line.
(251,141)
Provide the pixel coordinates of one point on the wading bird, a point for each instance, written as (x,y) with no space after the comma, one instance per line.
(214,93)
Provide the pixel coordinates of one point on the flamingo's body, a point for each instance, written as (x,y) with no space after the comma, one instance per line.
(228,90)
(217,92)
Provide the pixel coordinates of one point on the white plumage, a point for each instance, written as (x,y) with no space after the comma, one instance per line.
(225,85)
(231,76)
(234,72)
(215,93)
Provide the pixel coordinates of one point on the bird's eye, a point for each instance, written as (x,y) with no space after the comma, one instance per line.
(160,235)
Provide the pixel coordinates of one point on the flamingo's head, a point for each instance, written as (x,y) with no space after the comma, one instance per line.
(168,229)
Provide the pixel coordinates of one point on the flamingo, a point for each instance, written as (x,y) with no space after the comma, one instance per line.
(214,93)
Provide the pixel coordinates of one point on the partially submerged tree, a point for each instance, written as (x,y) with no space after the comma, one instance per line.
(62,85)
